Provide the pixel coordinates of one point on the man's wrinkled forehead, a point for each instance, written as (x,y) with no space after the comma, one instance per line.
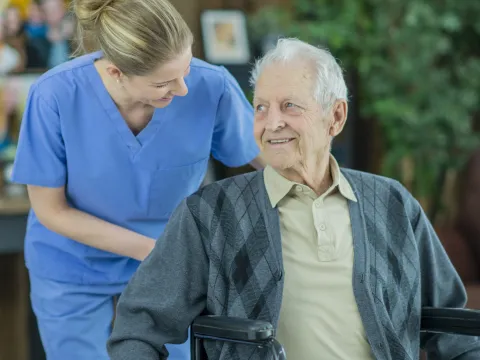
(293,79)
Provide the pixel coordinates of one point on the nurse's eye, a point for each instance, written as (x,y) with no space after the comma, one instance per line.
(161,86)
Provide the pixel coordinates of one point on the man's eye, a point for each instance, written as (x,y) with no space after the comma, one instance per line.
(259,108)
(161,86)
(290,105)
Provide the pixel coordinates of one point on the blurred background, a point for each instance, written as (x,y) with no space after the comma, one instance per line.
(413,72)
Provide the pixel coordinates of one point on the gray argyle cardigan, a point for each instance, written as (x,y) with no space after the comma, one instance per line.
(221,254)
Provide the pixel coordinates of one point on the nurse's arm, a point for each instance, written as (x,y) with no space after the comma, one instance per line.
(166,293)
(51,208)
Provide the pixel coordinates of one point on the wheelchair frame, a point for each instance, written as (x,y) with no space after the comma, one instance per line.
(262,334)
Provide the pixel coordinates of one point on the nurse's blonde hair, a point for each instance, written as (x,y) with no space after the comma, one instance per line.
(135,35)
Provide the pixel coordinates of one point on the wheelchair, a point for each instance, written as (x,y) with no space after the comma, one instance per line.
(262,334)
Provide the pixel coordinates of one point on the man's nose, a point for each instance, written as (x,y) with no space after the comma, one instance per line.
(274,120)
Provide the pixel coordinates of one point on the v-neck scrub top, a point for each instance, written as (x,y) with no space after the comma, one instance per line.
(72,134)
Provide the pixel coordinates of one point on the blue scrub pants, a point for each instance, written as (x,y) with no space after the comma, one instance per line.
(75,321)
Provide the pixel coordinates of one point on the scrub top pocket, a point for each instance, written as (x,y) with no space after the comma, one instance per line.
(171,185)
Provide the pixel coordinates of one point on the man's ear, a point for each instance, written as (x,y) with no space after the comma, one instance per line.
(339,114)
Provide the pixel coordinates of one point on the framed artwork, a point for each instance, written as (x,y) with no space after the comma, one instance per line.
(225,38)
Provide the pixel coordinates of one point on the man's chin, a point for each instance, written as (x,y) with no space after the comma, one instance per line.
(280,162)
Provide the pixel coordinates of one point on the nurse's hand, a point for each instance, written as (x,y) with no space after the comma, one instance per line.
(51,208)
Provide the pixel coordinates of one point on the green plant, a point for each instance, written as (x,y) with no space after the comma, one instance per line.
(418,71)
(267,20)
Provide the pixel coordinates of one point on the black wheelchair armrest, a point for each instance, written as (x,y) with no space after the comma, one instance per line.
(450,320)
(235,330)
(232,329)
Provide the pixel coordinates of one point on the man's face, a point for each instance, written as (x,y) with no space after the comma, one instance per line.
(290,127)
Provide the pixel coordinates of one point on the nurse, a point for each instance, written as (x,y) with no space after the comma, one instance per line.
(110,143)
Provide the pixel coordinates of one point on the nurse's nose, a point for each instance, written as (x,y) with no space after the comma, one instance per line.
(181,88)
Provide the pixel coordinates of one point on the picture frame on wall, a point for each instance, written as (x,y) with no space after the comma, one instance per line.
(225,37)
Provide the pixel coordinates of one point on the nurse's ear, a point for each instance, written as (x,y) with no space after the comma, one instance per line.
(114,72)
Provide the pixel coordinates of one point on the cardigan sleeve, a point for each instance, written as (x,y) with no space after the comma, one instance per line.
(165,295)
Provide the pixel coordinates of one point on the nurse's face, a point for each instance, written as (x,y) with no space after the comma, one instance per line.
(163,84)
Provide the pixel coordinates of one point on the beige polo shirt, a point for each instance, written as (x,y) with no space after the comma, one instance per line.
(319,318)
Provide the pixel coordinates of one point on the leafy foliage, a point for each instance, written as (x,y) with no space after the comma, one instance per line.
(418,70)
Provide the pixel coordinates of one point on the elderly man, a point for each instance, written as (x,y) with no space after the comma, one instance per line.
(339,261)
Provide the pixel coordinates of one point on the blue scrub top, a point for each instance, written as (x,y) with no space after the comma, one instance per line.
(72,134)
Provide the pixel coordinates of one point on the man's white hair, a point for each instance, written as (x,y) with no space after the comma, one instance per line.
(330,85)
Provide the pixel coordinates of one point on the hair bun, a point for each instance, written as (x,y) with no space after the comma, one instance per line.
(88,12)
